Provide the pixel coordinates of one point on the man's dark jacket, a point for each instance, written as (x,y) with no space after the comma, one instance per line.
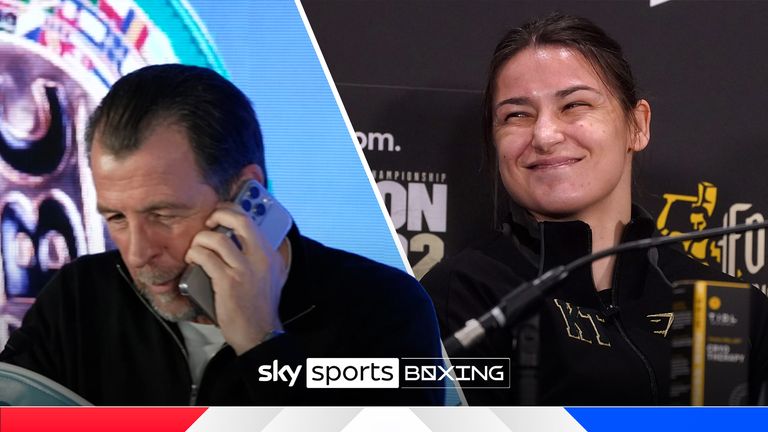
(91,331)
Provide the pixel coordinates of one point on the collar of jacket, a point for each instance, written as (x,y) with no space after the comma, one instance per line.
(563,242)
(549,244)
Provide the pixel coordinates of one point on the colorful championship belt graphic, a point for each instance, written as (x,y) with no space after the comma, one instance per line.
(57,60)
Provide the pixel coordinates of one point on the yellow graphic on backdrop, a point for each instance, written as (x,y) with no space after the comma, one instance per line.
(739,255)
(700,208)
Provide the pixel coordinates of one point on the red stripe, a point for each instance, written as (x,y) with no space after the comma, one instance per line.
(111,14)
(142,37)
(96,419)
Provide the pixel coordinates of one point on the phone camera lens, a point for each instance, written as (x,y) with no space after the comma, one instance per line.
(255,192)
(246,205)
(260,209)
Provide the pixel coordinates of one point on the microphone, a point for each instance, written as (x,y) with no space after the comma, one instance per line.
(514,305)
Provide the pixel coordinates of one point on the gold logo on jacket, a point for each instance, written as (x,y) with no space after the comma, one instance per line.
(588,325)
(663,321)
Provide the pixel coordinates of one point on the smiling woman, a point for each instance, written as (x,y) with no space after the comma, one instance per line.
(563,122)
(564,146)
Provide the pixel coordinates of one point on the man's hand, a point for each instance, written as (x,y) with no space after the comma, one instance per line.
(247,283)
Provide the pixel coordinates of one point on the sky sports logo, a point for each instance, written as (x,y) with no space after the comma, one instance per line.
(390,373)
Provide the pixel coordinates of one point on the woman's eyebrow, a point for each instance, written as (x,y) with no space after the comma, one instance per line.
(522,100)
(573,89)
(515,101)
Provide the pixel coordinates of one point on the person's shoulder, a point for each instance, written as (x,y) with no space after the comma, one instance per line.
(78,273)
(85,281)
(678,266)
(376,291)
(468,255)
(318,253)
(109,258)
(495,256)
(331,263)
(97,264)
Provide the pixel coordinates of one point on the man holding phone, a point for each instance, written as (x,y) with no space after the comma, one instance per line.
(169,147)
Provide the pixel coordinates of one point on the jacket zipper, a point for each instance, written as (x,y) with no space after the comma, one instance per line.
(625,336)
(193,389)
(193,394)
(614,316)
(646,363)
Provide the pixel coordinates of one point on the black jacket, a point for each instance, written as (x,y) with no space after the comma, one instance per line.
(606,348)
(92,332)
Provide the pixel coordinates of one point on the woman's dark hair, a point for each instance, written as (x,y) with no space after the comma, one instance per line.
(218,118)
(579,34)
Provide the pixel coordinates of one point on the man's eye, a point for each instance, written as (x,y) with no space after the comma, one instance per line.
(115,219)
(164,218)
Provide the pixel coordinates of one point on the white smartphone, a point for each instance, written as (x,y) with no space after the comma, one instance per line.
(274,222)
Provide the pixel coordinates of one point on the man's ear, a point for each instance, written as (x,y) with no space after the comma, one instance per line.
(252,171)
(249,172)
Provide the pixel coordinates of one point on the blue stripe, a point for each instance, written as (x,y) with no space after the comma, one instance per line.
(676,419)
(127,21)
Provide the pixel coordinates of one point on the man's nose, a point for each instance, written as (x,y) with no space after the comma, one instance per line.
(547,132)
(143,247)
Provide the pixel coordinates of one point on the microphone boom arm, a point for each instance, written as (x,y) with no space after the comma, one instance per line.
(513,305)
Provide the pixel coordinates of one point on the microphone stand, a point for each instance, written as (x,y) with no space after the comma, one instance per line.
(513,306)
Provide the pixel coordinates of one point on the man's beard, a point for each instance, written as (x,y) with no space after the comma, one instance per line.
(172,306)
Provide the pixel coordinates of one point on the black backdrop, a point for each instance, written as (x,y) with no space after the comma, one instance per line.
(410,74)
